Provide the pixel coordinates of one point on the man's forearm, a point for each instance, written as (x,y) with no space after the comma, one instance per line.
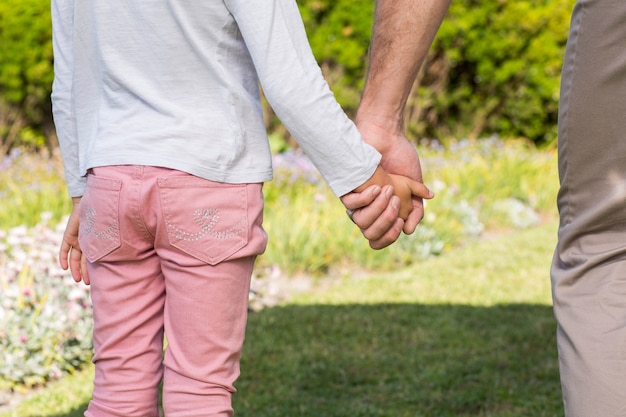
(402,35)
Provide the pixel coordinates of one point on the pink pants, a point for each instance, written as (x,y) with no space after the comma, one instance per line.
(168,252)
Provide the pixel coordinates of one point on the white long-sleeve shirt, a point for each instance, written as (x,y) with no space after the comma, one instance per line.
(174,83)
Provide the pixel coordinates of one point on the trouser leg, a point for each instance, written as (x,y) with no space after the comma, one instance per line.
(589,268)
(205,324)
(128,294)
(208,247)
(128,342)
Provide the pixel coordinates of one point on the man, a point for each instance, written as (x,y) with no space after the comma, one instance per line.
(588,271)
(589,268)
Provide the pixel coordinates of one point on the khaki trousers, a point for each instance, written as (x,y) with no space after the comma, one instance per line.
(589,268)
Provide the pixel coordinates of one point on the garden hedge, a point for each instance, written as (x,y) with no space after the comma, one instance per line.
(493,69)
(25,73)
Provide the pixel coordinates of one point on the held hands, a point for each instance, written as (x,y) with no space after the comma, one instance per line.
(70,255)
(376,210)
(381,206)
(406,188)
(399,155)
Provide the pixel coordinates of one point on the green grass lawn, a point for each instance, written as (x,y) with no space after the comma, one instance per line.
(469,333)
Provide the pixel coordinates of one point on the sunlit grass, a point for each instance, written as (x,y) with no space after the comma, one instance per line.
(481,187)
(469,333)
(31,184)
(488,287)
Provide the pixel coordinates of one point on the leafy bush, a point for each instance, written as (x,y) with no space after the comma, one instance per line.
(25,73)
(494,69)
(339,34)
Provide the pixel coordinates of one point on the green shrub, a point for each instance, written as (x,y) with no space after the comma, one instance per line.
(339,33)
(25,73)
(494,69)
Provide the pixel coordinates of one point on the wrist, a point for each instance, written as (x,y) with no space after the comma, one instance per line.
(379,178)
(380,118)
(380,132)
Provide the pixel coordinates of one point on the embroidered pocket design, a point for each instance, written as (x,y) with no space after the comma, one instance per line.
(99,232)
(111,232)
(207,220)
(212,222)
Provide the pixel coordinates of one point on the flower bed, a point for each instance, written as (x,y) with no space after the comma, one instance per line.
(45,317)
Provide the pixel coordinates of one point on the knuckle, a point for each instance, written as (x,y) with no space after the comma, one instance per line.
(370,235)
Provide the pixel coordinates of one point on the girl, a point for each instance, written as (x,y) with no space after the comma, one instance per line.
(157,109)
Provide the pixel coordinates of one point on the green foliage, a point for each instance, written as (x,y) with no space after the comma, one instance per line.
(25,73)
(67,397)
(339,34)
(494,69)
(506,182)
(45,317)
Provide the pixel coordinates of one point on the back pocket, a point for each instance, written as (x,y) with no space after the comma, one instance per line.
(99,232)
(205,219)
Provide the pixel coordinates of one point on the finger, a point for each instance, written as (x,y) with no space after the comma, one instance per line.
(354,200)
(75,260)
(368,215)
(385,221)
(63,254)
(389,237)
(418,189)
(415,216)
(84,271)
